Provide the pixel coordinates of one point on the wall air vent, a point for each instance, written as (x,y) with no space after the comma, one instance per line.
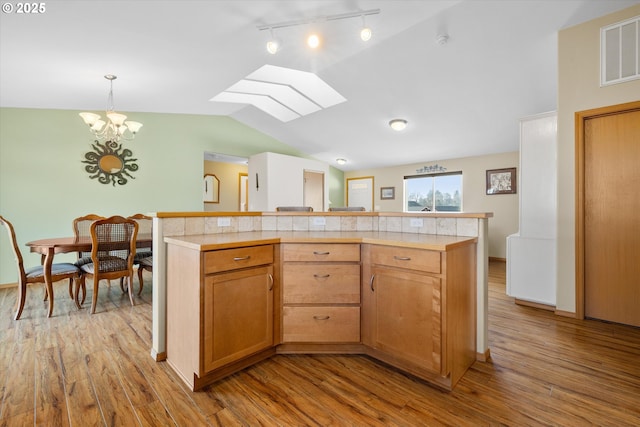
(620,52)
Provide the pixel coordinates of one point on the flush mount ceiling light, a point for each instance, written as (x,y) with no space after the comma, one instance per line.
(314,40)
(442,39)
(115,128)
(341,161)
(284,93)
(398,124)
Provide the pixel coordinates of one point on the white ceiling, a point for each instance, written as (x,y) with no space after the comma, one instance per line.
(461,99)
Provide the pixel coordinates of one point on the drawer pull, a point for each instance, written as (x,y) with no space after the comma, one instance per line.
(321,276)
(402,258)
(371,282)
(242,258)
(271,280)
(320,317)
(321,253)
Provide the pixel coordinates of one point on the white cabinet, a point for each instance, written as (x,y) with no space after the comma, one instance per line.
(531,253)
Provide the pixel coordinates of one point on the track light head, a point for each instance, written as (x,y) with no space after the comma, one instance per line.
(313,41)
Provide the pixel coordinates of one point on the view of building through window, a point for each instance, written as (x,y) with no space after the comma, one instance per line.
(434,192)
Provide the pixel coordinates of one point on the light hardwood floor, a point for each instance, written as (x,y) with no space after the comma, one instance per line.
(82,370)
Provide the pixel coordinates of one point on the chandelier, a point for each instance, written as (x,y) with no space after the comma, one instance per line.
(115,127)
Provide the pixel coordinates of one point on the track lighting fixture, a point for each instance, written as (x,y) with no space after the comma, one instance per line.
(314,40)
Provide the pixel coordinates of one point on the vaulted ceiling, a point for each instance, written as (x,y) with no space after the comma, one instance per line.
(461,98)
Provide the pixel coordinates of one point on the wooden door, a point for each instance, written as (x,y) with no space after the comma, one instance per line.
(612,217)
(407,318)
(238,315)
(313,190)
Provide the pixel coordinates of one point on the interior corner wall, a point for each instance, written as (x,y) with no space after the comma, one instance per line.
(579,90)
(43,183)
(474,197)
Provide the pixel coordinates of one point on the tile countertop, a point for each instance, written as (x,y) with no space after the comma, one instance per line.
(207,242)
(324,213)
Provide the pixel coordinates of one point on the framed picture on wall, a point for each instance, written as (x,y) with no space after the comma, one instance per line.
(387,193)
(502,181)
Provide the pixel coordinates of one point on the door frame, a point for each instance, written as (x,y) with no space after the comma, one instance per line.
(580,119)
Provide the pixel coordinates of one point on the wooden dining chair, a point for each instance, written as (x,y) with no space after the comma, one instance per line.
(113,248)
(82,228)
(144,256)
(60,271)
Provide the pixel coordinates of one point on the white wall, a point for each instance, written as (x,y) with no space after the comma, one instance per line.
(474,197)
(281,180)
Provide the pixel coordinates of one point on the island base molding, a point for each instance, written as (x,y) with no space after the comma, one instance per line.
(446,383)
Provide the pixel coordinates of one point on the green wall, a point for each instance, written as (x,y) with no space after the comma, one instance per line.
(43,184)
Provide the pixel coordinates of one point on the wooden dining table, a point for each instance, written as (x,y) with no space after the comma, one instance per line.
(58,245)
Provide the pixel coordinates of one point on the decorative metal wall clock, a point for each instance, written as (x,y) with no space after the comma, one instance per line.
(110,163)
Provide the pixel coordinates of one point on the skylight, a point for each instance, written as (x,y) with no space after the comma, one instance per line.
(284,93)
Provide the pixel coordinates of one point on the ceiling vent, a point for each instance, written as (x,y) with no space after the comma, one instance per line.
(284,93)
(620,52)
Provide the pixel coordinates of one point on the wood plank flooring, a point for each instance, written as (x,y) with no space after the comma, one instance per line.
(76,369)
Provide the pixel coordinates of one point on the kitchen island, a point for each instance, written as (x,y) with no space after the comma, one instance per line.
(407,299)
(226,225)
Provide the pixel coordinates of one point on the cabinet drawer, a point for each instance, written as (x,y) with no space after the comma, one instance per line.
(413,259)
(321,324)
(233,259)
(321,252)
(321,283)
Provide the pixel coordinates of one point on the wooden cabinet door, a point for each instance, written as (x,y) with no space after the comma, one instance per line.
(406,316)
(238,315)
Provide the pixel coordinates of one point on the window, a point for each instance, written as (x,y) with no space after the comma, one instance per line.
(620,52)
(434,192)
